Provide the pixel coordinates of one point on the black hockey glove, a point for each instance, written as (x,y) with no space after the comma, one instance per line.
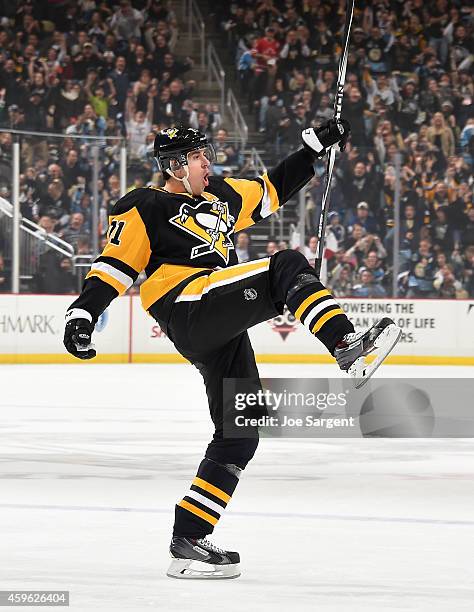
(321,139)
(78,332)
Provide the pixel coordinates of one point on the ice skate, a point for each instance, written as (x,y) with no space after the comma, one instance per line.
(200,559)
(351,351)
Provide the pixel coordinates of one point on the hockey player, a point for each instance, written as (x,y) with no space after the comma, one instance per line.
(182,236)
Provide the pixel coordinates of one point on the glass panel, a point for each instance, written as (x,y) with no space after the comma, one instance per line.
(57,191)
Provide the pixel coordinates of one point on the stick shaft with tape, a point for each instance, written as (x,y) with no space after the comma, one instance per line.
(341,79)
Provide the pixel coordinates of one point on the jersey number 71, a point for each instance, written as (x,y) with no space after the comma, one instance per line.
(116,228)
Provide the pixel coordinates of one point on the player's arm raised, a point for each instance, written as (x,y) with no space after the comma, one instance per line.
(265,194)
(126,254)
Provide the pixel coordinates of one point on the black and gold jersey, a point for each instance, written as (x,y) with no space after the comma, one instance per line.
(174,236)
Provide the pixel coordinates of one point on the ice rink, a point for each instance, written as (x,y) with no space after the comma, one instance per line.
(94,457)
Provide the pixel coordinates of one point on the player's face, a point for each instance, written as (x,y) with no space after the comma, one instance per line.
(199,165)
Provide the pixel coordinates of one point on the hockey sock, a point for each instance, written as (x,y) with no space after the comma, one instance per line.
(312,304)
(198,512)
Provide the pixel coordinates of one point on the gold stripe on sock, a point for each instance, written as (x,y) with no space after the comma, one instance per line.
(207,486)
(309,300)
(329,315)
(198,512)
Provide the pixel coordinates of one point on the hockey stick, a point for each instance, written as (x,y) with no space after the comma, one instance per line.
(341,79)
(207,248)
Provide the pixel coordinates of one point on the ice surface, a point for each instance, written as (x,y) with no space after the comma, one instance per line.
(93,458)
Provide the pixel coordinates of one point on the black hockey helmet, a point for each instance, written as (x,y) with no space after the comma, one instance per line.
(172,146)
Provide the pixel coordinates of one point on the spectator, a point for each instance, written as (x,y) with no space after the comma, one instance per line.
(437,20)
(382,88)
(360,187)
(121,82)
(466,141)
(88,123)
(342,284)
(140,61)
(363,244)
(126,22)
(293,52)
(374,265)
(99,98)
(35,113)
(75,229)
(178,94)
(11,80)
(368,286)
(67,101)
(202,122)
(85,60)
(70,169)
(172,69)
(113,190)
(159,47)
(461,50)
(354,110)
(403,53)
(301,119)
(97,30)
(271,248)
(311,251)
(138,124)
(15,119)
(447,286)
(323,112)
(364,218)
(441,232)
(34,147)
(264,69)
(440,135)
(408,111)
(409,222)
(335,226)
(83,206)
(162,108)
(430,98)
(227,154)
(246,66)
(421,277)
(56,204)
(243,249)
(54,274)
(378,47)
(47,223)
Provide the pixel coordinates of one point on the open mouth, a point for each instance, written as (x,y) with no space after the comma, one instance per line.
(206,180)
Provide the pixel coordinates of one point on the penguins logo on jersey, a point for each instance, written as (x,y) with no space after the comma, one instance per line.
(211,223)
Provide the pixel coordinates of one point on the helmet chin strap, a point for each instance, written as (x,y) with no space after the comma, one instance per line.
(184,180)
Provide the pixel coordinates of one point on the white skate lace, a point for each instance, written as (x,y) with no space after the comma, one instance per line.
(211,546)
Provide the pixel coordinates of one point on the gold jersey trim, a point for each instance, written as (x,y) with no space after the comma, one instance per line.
(163,280)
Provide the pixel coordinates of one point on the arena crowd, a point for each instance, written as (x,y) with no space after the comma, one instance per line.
(409,94)
(112,70)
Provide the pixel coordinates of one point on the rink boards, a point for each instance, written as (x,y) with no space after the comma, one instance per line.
(434,332)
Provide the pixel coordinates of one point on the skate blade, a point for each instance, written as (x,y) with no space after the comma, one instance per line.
(190,569)
(360,370)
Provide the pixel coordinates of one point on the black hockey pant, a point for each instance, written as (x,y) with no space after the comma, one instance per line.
(209,323)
